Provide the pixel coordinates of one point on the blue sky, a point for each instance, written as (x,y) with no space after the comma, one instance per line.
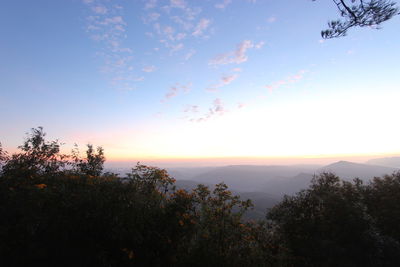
(198,79)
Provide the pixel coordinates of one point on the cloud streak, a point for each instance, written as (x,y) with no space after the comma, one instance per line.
(289,80)
(107,26)
(174,90)
(237,56)
(191,109)
(223,81)
(223,4)
(217,109)
(180,23)
(201,27)
(149,69)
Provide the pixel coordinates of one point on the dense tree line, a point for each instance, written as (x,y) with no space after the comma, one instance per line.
(62,210)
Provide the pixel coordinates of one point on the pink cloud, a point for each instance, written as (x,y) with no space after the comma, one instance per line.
(238,56)
(139,79)
(152,17)
(259,45)
(99,10)
(175,90)
(217,109)
(191,109)
(224,4)
(180,36)
(149,68)
(271,19)
(241,105)
(289,80)
(178,3)
(189,54)
(169,31)
(201,27)
(224,80)
(228,79)
(150,4)
(119,28)
(110,31)
(113,20)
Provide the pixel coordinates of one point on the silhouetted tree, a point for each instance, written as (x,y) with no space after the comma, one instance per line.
(360,13)
(382,197)
(92,164)
(37,156)
(328,225)
(3,157)
(55,215)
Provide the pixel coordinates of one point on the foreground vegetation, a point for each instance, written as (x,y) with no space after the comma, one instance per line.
(62,210)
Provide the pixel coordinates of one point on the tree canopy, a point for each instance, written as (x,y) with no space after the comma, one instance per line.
(62,210)
(359,13)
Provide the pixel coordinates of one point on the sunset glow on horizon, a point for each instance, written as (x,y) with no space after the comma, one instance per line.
(195,81)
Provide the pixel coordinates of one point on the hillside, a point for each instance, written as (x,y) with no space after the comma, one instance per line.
(393,162)
(350,170)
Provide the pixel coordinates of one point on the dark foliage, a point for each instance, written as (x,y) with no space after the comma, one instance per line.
(331,224)
(61,210)
(360,13)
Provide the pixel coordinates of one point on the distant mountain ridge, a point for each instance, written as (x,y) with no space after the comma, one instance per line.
(393,162)
(267,184)
(347,170)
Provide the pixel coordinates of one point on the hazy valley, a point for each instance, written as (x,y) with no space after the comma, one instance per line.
(265,185)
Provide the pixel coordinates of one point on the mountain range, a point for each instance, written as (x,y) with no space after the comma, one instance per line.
(266,185)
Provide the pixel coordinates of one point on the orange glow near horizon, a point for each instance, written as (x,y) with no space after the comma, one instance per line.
(319,131)
(211,161)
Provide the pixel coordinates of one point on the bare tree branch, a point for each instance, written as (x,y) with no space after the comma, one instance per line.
(360,13)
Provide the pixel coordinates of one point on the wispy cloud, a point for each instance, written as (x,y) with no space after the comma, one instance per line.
(228,78)
(238,56)
(191,109)
(224,80)
(113,20)
(107,26)
(189,54)
(241,105)
(169,32)
(151,17)
(175,90)
(271,19)
(180,22)
(259,45)
(149,68)
(99,9)
(176,47)
(217,109)
(180,36)
(289,80)
(150,4)
(139,79)
(178,3)
(223,4)
(201,27)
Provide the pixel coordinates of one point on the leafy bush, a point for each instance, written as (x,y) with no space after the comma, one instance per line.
(61,210)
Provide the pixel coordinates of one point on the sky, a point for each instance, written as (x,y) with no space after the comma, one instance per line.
(184,79)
